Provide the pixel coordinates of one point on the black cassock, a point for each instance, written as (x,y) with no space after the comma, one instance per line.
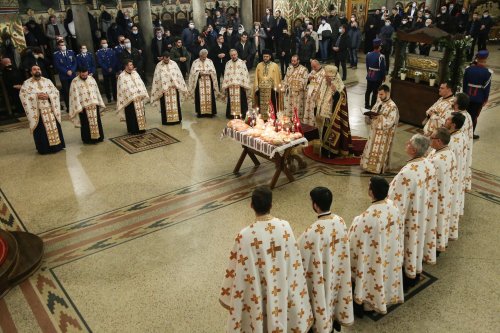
(163,111)
(85,128)
(131,119)
(42,141)
(243,107)
(197,100)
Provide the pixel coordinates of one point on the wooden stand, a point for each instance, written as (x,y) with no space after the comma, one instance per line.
(280,163)
(412,99)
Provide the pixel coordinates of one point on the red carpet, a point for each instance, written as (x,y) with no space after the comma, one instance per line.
(358,145)
(3,250)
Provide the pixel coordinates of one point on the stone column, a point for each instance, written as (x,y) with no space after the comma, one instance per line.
(82,24)
(146,25)
(246,14)
(199,13)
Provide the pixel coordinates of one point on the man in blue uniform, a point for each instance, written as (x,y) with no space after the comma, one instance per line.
(86,60)
(375,67)
(107,60)
(65,63)
(477,83)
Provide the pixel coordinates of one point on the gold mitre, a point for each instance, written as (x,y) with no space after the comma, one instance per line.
(331,70)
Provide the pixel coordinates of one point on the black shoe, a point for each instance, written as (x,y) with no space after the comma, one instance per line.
(475,136)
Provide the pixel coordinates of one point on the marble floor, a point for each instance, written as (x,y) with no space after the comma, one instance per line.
(139,242)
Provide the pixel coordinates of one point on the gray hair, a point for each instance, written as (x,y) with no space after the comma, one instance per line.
(420,143)
(203,51)
(233,50)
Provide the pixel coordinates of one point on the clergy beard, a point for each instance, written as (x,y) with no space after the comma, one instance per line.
(37,76)
(83,78)
(235,60)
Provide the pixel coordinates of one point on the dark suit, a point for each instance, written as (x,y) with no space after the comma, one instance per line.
(246,53)
(158,48)
(340,56)
(219,63)
(268,24)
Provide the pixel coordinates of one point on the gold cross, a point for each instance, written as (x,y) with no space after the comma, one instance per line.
(273,249)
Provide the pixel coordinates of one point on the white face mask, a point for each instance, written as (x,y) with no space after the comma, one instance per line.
(353,19)
(256,27)
(241,31)
(485,15)
(463,11)
(104,46)
(36,56)
(135,32)
(443,11)
(387,24)
(427,16)
(414,5)
(404,22)
(84,51)
(159,36)
(340,30)
(323,22)
(63,48)
(128,45)
(191,26)
(427,24)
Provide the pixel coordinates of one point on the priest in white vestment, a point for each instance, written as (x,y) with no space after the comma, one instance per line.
(40,99)
(383,123)
(85,106)
(264,288)
(325,253)
(376,247)
(295,84)
(457,144)
(443,159)
(167,83)
(414,192)
(460,106)
(130,102)
(236,87)
(203,85)
(439,111)
(316,78)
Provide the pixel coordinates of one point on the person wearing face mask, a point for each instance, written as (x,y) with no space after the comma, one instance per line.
(65,63)
(306,50)
(85,107)
(324,35)
(113,34)
(334,22)
(314,35)
(36,57)
(485,24)
(473,31)
(168,82)
(132,95)
(13,79)
(411,13)
(395,18)
(462,20)
(425,49)
(341,50)
(405,25)
(230,38)
(132,54)
(86,60)
(386,36)
(220,21)
(40,99)
(159,44)
(137,40)
(108,61)
(283,51)
(120,47)
(259,39)
(355,39)
(189,36)
(443,20)
(371,30)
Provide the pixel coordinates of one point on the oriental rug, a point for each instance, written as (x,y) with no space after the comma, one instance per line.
(151,139)
(426,280)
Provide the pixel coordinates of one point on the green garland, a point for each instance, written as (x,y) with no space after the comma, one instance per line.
(455,59)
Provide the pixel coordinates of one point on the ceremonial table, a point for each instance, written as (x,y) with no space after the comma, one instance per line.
(279,155)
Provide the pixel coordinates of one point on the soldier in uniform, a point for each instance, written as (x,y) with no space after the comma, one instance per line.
(375,67)
(65,63)
(106,59)
(86,60)
(477,83)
